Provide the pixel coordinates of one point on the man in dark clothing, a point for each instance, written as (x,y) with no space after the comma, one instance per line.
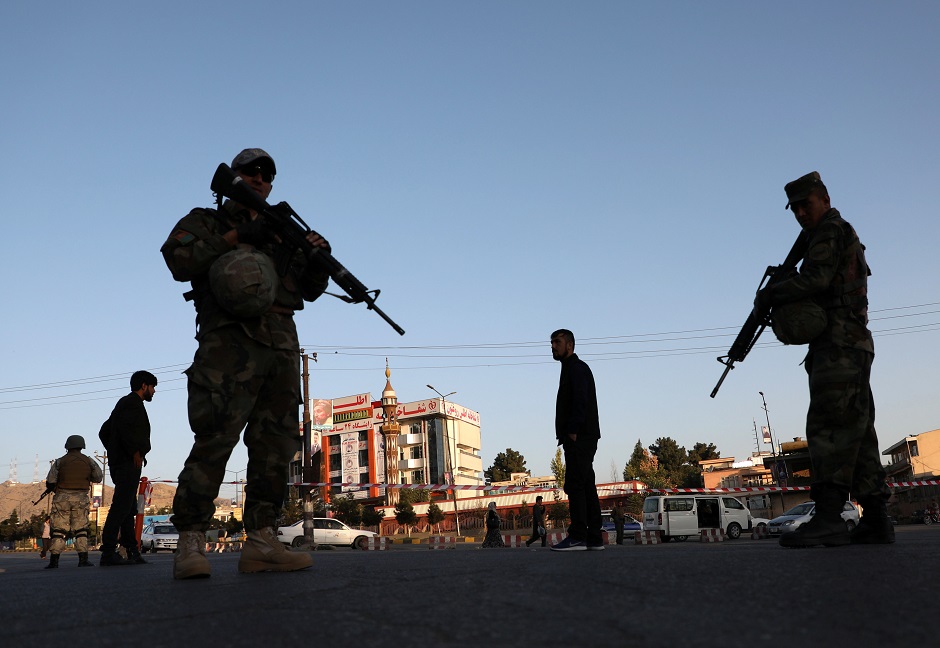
(538,522)
(128,441)
(620,517)
(578,430)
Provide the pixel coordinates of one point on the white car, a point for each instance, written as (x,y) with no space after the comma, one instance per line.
(326,531)
(159,536)
(802,513)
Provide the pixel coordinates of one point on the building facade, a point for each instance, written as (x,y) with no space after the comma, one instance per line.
(913,458)
(366,441)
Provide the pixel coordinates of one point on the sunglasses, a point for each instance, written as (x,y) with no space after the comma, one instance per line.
(255,169)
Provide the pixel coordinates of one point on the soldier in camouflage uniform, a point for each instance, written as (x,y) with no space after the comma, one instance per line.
(840,425)
(246,372)
(69,477)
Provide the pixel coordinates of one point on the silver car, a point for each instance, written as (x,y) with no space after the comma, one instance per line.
(159,536)
(801,513)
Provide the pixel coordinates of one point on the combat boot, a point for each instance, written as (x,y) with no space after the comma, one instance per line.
(190,560)
(112,559)
(134,557)
(875,527)
(827,526)
(263,552)
(53,562)
(83,559)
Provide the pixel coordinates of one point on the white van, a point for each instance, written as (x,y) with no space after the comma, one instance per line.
(679,516)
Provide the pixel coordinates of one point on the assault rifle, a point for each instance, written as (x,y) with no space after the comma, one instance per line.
(758,320)
(292,231)
(50,488)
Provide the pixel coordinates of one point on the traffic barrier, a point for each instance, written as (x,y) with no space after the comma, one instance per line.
(513,541)
(759,533)
(647,537)
(555,537)
(712,535)
(441,542)
(377,544)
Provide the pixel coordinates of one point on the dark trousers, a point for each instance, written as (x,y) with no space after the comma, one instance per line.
(123,512)
(584,507)
(536,536)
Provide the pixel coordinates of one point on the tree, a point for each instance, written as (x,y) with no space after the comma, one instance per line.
(405,515)
(638,460)
(703,452)
(371,517)
(669,454)
(558,467)
(645,467)
(435,516)
(414,495)
(504,465)
(347,510)
(559,513)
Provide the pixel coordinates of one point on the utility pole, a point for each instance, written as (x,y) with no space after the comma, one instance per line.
(307,470)
(103,460)
(773,451)
(448,454)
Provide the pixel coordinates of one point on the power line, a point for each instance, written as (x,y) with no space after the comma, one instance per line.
(484,361)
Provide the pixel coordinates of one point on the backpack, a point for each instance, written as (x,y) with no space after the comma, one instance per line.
(104,434)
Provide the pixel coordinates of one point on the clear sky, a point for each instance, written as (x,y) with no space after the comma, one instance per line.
(498,170)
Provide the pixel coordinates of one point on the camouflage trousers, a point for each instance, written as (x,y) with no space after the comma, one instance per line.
(840,424)
(70,513)
(237,384)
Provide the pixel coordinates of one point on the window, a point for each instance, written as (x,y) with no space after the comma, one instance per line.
(732,503)
(679,504)
(417,452)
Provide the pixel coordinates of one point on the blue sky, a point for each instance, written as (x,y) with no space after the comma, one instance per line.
(499,170)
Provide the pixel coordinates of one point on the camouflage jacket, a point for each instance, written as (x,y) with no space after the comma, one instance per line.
(834,274)
(197,241)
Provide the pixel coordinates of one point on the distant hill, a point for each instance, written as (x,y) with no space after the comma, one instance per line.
(22,496)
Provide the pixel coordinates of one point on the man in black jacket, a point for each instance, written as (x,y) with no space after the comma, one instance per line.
(128,441)
(577,428)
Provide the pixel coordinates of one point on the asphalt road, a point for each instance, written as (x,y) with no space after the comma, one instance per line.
(744,592)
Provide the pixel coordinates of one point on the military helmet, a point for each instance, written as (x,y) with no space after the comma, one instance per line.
(244,281)
(798,322)
(75,442)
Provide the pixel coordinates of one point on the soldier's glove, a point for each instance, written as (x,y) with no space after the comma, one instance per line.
(762,301)
(253,233)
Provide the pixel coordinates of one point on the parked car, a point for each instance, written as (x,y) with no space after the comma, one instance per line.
(327,531)
(630,524)
(801,513)
(758,523)
(159,536)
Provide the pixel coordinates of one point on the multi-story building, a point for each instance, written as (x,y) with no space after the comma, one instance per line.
(728,473)
(431,441)
(913,458)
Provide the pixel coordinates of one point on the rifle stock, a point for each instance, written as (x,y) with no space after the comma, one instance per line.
(292,231)
(758,320)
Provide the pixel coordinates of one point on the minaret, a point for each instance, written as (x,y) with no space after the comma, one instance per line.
(390,430)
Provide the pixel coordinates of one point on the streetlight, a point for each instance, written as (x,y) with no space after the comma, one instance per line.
(447,453)
(237,483)
(773,450)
